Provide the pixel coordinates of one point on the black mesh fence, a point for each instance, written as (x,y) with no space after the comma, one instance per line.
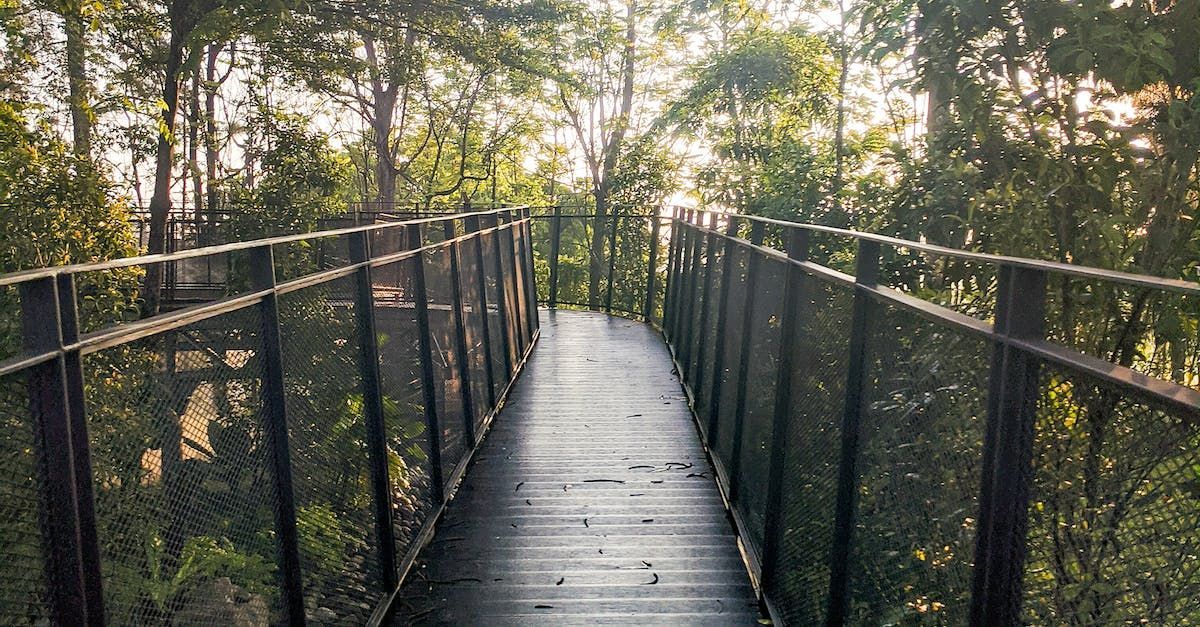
(497,333)
(919,467)
(184,495)
(721,440)
(443,331)
(509,283)
(327,437)
(1114,521)
(22,583)
(475,319)
(708,334)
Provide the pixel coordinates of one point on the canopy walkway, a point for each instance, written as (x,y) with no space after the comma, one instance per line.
(756,419)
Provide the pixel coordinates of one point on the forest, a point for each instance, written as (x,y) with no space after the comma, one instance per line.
(1059,130)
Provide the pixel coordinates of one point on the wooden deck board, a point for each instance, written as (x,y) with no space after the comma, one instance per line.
(590,502)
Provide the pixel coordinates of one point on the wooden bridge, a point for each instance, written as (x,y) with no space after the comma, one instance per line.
(757,421)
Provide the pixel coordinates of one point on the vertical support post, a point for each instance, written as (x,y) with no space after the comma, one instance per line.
(85,502)
(1007,449)
(262,277)
(688,319)
(50,410)
(372,389)
(714,403)
(473,226)
(652,269)
(612,258)
(710,271)
(743,368)
(794,300)
(671,299)
(531,309)
(502,298)
(555,243)
(433,426)
(460,335)
(867,275)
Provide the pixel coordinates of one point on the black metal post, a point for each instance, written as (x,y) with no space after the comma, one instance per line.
(743,369)
(671,299)
(789,347)
(652,270)
(433,425)
(372,388)
(473,226)
(1007,449)
(714,402)
(262,277)
(531,308)
(460,336)
(85,502)
(692,280)
(516,255)
(502,298)
(867,275)
(47,385)
(612,259)
(555,243)
(710,272)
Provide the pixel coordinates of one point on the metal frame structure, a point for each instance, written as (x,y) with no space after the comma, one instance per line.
(51,362)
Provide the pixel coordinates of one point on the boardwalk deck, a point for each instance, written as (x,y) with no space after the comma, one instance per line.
(590,502)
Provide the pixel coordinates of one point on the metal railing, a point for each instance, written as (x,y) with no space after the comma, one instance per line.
(278,454)
(890,460)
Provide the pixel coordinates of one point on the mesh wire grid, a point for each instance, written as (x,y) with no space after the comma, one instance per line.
(512,296)
(183,492)
(762,362)
(694,308)
(404,416)
(475,318)
(801,588)
(1113,519)
(22,585)
(447,378)
(919,465)
(327,438)
(496,332)
(731,337)
(708,333)
(630,263)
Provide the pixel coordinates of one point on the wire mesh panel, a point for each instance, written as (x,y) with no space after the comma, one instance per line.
(731,337)
(512,308)
(496,330)
(183,492)
(475,319)
(446,373)
(694,309)
(810,467)
(524,331)
(919,466)
(403,411)
(762,362)
(632,255)
(22,585)
(709,332)
(327,437)
(1114,526)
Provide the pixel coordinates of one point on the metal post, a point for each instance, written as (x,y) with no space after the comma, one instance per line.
(372,389)
(516,255)
(789,347)
(652,269)
(526,237)
(612,259)
(50,410)
(433,425)
(714,403)
(460,336)
(555,243)
(473,226)
(710,271)
(695,250)
(262,277)
(867,275)
(502,299)
(743,368)
(687,240)
(670,300)
(85,503)
(1007,449)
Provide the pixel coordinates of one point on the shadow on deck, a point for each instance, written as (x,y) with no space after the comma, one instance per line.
(590,501)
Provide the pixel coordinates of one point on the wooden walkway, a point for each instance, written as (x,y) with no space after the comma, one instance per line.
(591,500)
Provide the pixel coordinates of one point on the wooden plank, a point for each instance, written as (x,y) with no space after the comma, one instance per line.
(590,502)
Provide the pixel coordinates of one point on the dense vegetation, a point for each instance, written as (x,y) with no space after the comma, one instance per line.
(1065,130)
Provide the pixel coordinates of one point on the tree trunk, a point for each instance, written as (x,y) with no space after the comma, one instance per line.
(839,135)
(160,201)
(77,77)
(212,153)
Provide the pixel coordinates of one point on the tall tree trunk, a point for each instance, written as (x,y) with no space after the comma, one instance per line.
(212,152)
(602,189)
(193,126)
(839,134)
(79,86)
(160,201)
